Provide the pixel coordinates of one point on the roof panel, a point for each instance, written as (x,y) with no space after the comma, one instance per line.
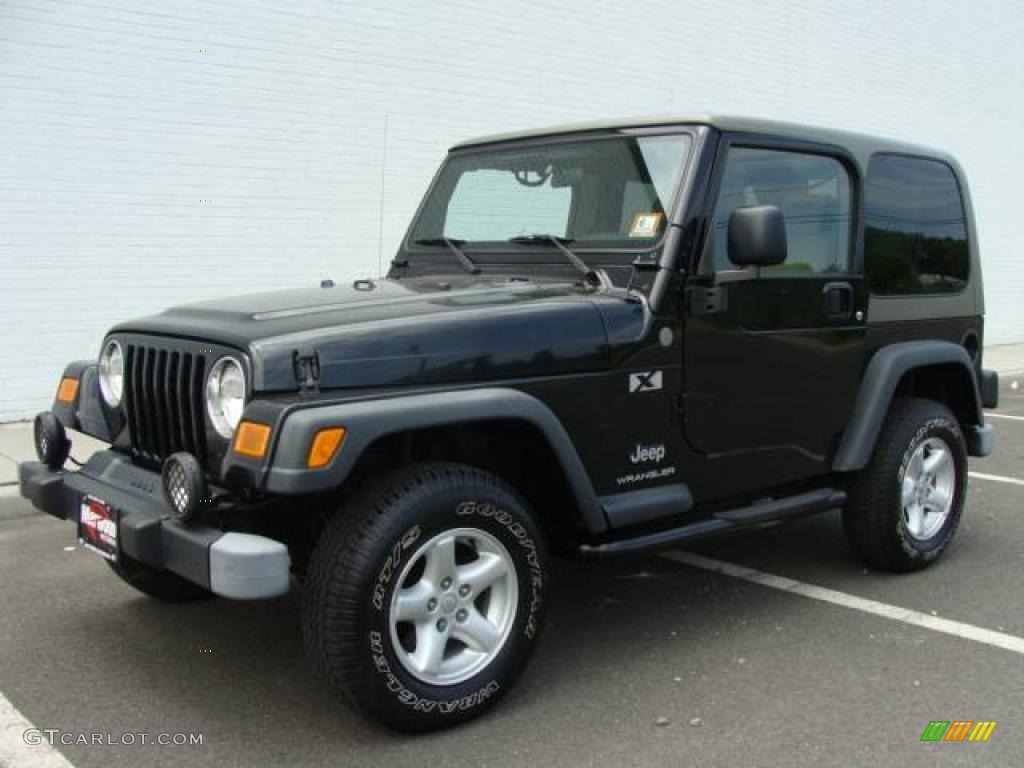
(860,145)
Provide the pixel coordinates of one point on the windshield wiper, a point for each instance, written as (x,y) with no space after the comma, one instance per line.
(562,244)
(453,246)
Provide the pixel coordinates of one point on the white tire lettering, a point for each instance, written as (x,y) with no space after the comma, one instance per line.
(391,565)
(419,703)
(407,697)
(520,534)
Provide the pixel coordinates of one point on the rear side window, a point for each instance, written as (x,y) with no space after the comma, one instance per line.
(915,238)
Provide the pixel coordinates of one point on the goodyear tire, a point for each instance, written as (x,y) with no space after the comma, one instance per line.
(164,586)
(424,596)
(905,506)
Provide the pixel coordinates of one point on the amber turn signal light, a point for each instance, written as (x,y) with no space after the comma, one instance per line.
(325,446)
(252,439)
(68,390)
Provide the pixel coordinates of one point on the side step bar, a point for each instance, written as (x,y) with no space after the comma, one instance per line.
(758,513)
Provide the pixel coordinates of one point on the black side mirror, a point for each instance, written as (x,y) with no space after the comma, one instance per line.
(757,236)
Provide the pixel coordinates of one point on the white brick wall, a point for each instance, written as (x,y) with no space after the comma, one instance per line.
(313,129)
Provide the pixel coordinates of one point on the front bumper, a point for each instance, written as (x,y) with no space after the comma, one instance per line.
(242,566)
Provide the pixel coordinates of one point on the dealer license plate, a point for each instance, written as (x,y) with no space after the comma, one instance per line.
(97,527)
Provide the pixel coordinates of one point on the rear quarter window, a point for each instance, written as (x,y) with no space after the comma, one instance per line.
(915,237)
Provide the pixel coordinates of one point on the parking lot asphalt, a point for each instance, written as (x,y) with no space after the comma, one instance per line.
(736,673)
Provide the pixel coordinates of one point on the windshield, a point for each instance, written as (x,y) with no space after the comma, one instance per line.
(600,193)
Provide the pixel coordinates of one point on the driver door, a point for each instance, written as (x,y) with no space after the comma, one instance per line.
(773,354)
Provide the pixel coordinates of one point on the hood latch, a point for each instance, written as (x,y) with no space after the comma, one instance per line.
(306,363)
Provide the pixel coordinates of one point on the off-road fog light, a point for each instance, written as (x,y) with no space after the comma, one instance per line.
(184,485)
(52,444)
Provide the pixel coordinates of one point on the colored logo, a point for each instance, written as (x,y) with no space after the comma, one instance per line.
(958,730)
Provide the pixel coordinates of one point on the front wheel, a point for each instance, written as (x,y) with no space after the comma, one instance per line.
(905,506)
(424,596)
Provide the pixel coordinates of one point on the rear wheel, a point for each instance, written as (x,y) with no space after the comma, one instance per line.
(423,598)
(905,506)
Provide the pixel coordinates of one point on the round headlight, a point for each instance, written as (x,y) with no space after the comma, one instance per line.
(112,373)
(225,395)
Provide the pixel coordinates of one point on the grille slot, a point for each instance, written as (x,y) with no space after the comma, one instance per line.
(164,402)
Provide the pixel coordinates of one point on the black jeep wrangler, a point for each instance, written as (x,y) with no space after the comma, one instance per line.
(594,341)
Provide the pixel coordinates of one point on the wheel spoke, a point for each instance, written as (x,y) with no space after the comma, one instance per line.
(908,490)
(936,461)
(916,465)
(482,572)
(440,561)
(411,603)
(915,519)
(940,497)
(477,632)
(430,645)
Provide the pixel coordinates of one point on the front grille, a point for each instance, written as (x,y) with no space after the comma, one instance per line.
(164,402)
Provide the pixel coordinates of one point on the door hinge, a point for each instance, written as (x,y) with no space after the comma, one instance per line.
(705,300)
(306,363)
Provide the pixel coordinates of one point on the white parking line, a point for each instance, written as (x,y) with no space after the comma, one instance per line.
(990,415)
(885,610)
(996,478)
(14,752)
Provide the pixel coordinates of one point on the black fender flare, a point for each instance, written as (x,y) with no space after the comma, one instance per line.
(365,421)
(87,412)
(878,385)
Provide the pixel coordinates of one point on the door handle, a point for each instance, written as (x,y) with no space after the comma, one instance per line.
(838,299)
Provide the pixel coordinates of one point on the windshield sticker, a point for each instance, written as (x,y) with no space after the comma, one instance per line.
(646,225)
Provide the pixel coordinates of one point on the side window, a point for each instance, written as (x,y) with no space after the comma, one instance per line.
(915,236)
(813,193)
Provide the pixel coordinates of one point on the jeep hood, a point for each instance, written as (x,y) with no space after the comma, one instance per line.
(411,332)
